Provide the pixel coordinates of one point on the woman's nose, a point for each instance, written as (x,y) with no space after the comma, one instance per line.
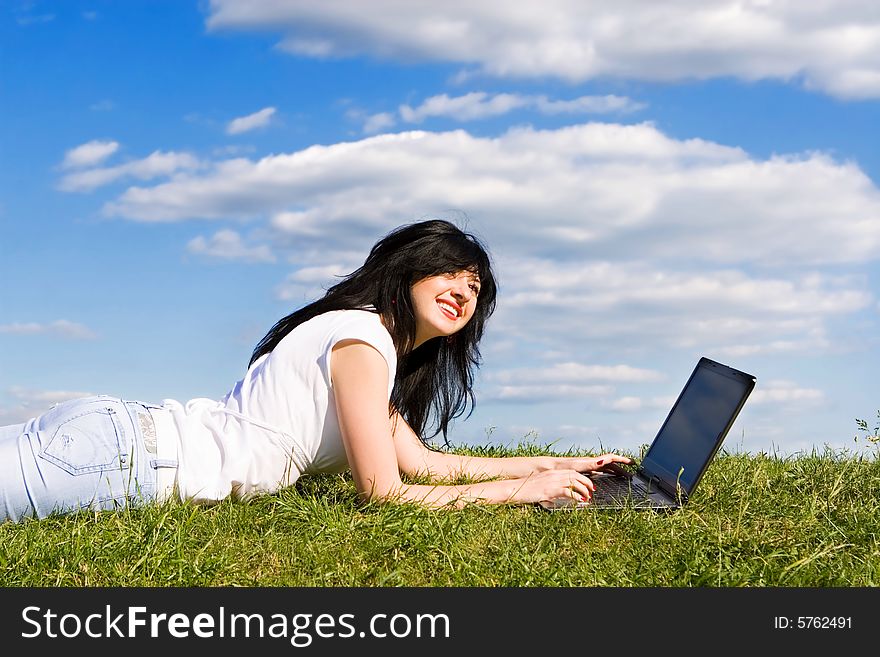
(462,291)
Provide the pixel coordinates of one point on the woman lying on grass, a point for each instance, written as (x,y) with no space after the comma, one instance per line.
(350,380)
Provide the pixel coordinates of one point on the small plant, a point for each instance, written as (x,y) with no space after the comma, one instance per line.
(871,434)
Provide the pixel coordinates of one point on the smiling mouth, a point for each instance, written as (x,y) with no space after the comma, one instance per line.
(449,310)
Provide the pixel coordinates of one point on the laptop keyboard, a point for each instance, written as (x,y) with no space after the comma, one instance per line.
(611,488)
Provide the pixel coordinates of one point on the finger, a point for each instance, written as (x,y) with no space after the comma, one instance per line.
(612,465)
(616,469)
(600,463)
(584,481)
(582,488)
(578,495)
(613,458)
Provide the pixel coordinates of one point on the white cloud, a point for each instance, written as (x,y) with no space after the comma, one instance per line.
(629,404)
(250,122)
(155,165)
(379,122)
(30,403)
(570,372)
(228,245)
(536,394)
(785,392)
(60,328)
(309,283)
(587,105)
(481,105)
(560,381)
(614,233)
(591,190)
(48,397)
(89,154)
(475,105)
(322,274)
(831,46)
(725,312)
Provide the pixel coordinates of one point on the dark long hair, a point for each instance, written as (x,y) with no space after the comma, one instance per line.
(433,383)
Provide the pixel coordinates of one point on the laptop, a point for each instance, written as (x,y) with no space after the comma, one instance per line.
(685,445)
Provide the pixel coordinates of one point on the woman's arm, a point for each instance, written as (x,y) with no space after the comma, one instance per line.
(360,378)
(415,458)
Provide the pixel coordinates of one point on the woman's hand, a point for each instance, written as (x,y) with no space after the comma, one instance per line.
(566,479)
(552,485)
(603,463)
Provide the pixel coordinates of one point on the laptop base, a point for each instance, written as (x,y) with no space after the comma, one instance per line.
(617,492)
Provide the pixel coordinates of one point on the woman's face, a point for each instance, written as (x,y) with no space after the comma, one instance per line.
(444,304)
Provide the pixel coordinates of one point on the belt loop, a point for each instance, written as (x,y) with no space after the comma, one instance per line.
(166,459)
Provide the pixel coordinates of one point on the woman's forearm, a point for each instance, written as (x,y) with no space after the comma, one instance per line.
(451,466)
(439,496)
(534,487)
(415,459)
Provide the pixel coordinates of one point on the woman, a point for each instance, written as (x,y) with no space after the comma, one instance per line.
(354,380)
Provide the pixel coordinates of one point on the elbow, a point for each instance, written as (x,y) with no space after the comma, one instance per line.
(388,493)
(373,497)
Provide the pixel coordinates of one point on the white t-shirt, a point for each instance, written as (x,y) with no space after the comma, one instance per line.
(280,420)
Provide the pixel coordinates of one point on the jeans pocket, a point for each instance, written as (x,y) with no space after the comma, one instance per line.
(90,441)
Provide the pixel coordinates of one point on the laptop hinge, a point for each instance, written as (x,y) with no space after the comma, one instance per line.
(670,491)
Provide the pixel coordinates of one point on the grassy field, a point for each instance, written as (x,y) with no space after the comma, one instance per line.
(755,520)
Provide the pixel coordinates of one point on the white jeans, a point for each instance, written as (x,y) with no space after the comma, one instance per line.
(90,453)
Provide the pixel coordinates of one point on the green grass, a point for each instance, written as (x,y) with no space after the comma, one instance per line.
(755,520)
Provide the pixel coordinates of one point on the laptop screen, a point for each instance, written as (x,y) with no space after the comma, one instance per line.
(697,424)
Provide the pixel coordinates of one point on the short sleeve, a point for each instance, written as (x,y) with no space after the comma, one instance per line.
(366,327)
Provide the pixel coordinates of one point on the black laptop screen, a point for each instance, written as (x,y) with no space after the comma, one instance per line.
(696,425)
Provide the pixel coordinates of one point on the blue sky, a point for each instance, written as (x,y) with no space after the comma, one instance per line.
(656,182)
